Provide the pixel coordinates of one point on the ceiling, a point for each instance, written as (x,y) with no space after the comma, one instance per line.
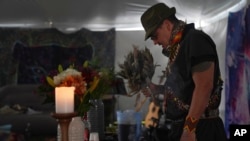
(71,15)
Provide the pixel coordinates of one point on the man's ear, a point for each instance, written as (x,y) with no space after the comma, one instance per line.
(167,24)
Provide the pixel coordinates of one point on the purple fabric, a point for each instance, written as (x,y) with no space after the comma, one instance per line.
(37,62)
(238,69)
(45,48)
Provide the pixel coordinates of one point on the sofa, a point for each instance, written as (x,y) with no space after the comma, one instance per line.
(24,111)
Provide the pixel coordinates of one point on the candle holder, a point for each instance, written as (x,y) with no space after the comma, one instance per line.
(64,121)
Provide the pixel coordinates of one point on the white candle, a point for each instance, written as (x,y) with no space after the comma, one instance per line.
(64,99)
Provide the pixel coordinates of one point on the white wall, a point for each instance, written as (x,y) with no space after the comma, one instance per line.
(125,40)
(124,44)
(218,32)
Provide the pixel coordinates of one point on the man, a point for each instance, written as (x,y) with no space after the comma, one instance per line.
(193,82)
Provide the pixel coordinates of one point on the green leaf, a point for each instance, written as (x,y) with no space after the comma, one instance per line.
(60,68)
(50,81)
(85,64)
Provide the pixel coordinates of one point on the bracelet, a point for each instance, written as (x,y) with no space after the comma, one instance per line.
(190,124)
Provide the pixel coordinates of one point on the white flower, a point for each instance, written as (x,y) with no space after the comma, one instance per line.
(68,72)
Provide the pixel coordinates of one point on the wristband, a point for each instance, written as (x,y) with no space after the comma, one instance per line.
(190,124)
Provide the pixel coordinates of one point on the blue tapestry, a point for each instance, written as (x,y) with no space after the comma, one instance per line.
(238,69)
(36,62)
(28,54)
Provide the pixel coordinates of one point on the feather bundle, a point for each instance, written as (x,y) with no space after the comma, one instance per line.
(137,68)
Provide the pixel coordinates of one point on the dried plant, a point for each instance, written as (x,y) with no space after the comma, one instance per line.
(137,68)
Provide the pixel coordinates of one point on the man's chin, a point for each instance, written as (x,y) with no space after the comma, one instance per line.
(164,47)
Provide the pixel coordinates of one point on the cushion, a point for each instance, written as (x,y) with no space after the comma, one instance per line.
(23,95)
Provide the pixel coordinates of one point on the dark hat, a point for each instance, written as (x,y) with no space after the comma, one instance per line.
(153,17)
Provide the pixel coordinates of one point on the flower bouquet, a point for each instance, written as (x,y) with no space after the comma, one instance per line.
(90,81)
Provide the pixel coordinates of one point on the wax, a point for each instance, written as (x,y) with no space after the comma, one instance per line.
(64,97)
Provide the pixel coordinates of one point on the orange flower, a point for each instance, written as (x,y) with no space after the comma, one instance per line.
(77,81)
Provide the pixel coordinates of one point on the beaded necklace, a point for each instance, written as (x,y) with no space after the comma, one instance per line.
(173,48)
(172,52)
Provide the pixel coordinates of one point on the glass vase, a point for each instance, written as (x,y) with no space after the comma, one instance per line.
(95,116)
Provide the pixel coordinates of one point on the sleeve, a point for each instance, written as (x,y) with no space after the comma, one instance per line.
(202,48)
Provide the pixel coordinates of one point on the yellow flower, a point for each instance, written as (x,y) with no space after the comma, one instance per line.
(94,84)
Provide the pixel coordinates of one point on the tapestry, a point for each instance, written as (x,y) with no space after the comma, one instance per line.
(28,54)
(237,81)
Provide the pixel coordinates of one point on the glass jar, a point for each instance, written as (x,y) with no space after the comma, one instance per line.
(96,117)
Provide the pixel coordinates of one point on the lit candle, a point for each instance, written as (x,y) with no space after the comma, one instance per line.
(64,99)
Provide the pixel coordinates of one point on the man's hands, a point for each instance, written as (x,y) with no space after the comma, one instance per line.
(146,91)
(152,89)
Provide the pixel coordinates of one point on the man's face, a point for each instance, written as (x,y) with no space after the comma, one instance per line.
(162,34)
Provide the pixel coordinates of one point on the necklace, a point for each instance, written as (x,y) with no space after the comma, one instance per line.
(174,46)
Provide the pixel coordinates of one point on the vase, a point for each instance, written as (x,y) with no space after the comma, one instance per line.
(95,116)
(76,129)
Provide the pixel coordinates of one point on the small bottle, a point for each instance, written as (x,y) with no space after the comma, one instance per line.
(58,133)
(87,127)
